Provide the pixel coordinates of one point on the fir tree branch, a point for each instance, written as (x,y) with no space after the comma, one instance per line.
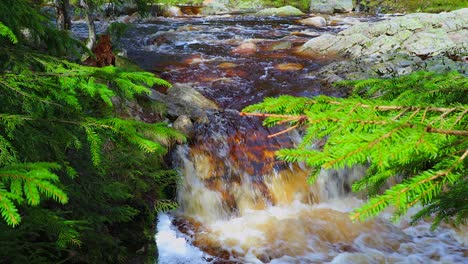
(367,146)
(283,131)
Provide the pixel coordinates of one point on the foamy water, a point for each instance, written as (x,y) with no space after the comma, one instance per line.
(321,233)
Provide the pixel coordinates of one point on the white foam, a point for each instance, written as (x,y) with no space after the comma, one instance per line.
(172,247)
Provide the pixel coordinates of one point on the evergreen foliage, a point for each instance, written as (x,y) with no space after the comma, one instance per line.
(78,183)
(411,129)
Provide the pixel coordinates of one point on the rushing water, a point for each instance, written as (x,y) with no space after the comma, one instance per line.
(238,204)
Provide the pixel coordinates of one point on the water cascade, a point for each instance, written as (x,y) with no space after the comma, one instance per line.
(238,204)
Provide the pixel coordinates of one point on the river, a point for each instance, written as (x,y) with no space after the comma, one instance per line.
(238,204)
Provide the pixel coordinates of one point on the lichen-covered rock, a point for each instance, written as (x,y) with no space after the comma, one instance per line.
(319,44)
(382,44)
(331,6)
(281,11)
(428,44)
(417,34)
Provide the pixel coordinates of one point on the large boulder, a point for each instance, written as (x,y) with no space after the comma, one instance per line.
(281,11)
(182,99)
(190,96)
(423,35)
(331,6)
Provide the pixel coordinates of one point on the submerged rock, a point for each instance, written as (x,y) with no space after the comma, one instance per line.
(281,11)
(289,67)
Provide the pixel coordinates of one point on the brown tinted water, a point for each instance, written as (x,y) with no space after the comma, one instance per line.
(238,204)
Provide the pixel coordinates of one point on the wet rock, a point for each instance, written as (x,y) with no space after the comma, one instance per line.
(182,99)
(314,21)
(289,67)
(245,48)
(331,6)
(184,125)
(281,11)
(191,96)
(283,45)
(172,11)
(227,65)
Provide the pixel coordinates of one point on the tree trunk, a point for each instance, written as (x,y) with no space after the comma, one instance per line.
(89,16)
(62,8)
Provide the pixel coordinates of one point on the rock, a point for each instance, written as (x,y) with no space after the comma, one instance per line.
(227,65)
(331,6)
(283,45)
(417,34)
(215,7)
(172,11)
(281,11)
(314,21)
(428,44)
(245,48)
(184,125)
(289,67)
(382,44)
(191,96)
(319,44)
(182,99)
(460,38)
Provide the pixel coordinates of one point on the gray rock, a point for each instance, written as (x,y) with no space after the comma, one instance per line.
(415,34)
(382,44)
(281,11)
(283,45)
(428,44)
(184,125)
(191,96)
(182,99)
(331,6)
(314,21)
(216,7)
(319,44)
